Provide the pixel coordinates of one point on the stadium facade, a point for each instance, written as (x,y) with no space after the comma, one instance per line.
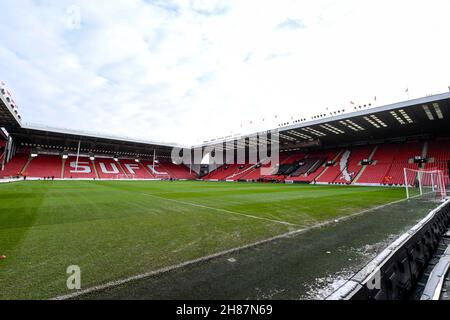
(362,146)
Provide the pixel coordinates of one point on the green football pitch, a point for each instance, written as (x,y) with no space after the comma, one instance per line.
(116,229)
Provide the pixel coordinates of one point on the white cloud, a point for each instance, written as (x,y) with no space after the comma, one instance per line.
(187,71)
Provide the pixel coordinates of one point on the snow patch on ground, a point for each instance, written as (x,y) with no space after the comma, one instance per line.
(325,286)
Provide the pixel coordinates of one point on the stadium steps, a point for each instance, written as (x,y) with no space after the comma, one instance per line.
(361,172)
(330,175)
(63,167)
(171,172)
(206,177)
(306,167)
(242,173)
(122,169)
(326,168)
(322,173)
(373,153)
(252,172)
(135,169)
(26,165)
(15,166)
(314,167)
(403,158)
(238,172)
(97,176)
(147,170)
(1,161)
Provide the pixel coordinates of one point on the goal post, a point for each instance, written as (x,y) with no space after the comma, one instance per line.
(424,183)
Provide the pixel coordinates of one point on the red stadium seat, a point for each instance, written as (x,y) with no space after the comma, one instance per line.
(16,165)
(177,171)
(84,169)
(135,169)
(45,166)
(389,162)
(438,156)
(358,154)
(107,168)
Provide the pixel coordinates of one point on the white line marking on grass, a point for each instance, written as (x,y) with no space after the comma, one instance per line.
(171,268)
(119,282)
(222,210)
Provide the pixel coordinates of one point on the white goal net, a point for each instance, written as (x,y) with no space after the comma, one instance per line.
(424,183)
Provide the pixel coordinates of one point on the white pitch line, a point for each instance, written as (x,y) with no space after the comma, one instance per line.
(223,210)
(173,267)
(119,282)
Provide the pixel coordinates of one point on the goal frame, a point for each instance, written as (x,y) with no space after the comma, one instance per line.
(437,182)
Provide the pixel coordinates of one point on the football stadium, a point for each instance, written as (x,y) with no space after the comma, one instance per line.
(346,204)
(345,187)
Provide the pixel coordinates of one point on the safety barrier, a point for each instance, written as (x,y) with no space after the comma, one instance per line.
(394,273)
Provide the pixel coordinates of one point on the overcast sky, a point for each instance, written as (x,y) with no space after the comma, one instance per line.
(186,71)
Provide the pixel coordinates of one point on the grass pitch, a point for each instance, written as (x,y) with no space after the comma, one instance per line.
(117,229)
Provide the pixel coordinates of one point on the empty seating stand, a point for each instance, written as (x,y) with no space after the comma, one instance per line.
(288,163)
(376,172)
(223,172)
(389,160)
(306,165)
(403,158)
(177,171)
(16,165)
(156,170)
(389,163)
(44,166)
(243,171)
(331,173)
(438,156)
(136,170)
(108,168)
(315,165)
(358,154)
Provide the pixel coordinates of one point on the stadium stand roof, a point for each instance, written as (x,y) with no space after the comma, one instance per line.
(35,135)
(427,116)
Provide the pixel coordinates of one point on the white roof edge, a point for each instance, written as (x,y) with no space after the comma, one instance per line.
(398,105)
(344,116)
(41,127)
(369,111)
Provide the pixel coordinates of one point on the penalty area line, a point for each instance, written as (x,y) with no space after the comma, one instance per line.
(222,210)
